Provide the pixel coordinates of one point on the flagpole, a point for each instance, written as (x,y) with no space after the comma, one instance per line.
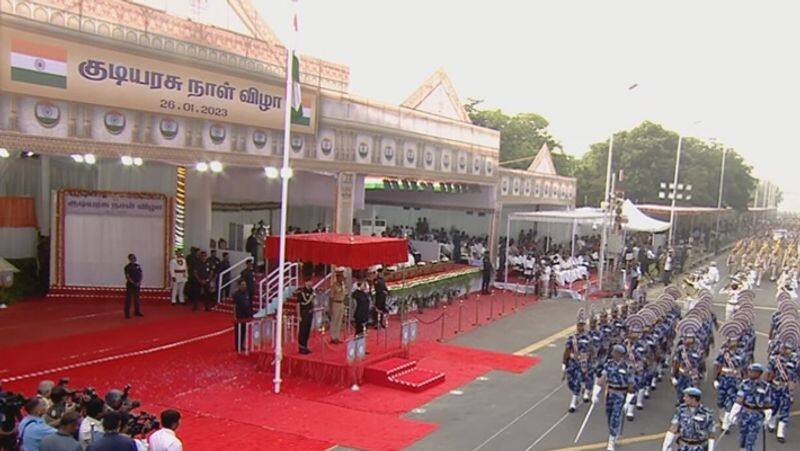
(284,173)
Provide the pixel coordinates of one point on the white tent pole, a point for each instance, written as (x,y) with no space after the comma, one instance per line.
(574,225)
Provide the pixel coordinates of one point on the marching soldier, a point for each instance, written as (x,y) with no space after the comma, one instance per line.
(617,378)
(692,426)
(577,363)
(728,368)
(638,359)
(753,405)
(688,361)
(782,372)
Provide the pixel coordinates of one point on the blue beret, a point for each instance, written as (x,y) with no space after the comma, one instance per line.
(757,367)
(692,391)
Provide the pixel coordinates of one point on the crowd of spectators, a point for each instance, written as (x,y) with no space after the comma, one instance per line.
(58,418)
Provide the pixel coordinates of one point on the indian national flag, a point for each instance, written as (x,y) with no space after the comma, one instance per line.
(39,64)
(301,115)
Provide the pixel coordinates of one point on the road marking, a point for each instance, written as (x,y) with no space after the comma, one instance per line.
(456,392)
(542,343)
(547,432)
(624,441)
(519,417)
(757,307)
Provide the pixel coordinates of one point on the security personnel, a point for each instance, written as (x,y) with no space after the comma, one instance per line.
(693,425)
(782,372)
(638,359)
(577,362)
(305,311)
(754,405)
(487,274)
(728,368)
(381,294)
(617,378)
(133,282)
(178,275)
(688,361)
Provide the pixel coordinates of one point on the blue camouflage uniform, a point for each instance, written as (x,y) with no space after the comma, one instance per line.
(619,381)
(689,358)
(579,367)
(785,371)
(756,396)
(730,364)
(695,426)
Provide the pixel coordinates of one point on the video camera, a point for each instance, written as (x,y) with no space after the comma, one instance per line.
(126,401)
(10,412)
(141,424)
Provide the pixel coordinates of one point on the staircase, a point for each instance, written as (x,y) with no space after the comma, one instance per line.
(402,374)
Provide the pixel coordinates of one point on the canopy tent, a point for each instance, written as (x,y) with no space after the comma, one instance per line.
(640,222)
(352,251)
(579,216)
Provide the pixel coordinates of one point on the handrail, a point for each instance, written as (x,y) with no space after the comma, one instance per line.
(220,285)
(269,283)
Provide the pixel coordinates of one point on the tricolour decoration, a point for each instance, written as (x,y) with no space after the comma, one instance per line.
(410,155)
(388,151)
(363,149)
(325,145)
(429,157)
(477,164)
(462,164)
(446,160)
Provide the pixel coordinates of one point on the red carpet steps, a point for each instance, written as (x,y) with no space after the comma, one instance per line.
(402,374)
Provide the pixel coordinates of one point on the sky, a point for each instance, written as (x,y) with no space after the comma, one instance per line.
(732,65)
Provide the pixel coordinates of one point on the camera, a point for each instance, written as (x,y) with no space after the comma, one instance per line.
(141,424)
(10,412)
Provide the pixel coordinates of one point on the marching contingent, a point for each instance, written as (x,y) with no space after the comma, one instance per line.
(626,350)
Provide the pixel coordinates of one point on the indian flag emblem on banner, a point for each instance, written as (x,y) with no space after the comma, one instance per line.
(38,64)
(301,114)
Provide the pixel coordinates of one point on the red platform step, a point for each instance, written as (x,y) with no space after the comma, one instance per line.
(402,374)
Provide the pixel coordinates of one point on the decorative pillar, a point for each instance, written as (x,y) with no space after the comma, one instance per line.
(343,210)
(198,209)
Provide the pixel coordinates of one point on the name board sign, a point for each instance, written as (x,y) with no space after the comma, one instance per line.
(99,204)
(42,66)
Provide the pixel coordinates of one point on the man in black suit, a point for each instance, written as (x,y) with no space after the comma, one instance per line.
(487,273)
(133,282)
(244,311)
(361,316)
(381,295)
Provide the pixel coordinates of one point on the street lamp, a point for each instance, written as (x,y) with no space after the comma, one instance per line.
(675,187)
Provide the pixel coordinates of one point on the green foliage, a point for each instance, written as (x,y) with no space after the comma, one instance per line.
(26,282)
(646,154)
(521,136)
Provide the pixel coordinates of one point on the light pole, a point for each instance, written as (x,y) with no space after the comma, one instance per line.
(719,197)
(675,188)
(606,201)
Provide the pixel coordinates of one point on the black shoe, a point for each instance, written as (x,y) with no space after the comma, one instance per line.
(127,316)
(139,314)
(304,351)
(571,410)
(781,440)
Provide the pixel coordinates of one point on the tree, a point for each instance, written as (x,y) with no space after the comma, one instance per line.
(646,154)
(521,137)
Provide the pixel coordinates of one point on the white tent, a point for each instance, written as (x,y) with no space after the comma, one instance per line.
(640,222)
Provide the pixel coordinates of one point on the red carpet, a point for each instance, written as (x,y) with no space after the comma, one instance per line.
(226,402)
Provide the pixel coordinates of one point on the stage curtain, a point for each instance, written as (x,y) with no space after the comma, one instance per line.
(17,212)
(96,249)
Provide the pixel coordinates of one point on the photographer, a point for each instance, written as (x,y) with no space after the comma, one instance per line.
(112,440)
(32,428)
(92,426)
(164,439)
(63,439)
(10,408)
(61,403)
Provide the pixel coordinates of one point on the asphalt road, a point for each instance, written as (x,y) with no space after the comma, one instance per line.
(504,411)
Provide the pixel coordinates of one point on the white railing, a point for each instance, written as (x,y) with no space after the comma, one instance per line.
(232,280)
(268,286)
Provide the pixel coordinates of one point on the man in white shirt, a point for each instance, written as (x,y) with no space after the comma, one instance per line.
(91,426)
(712,276)
(178,274)
(165,439)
